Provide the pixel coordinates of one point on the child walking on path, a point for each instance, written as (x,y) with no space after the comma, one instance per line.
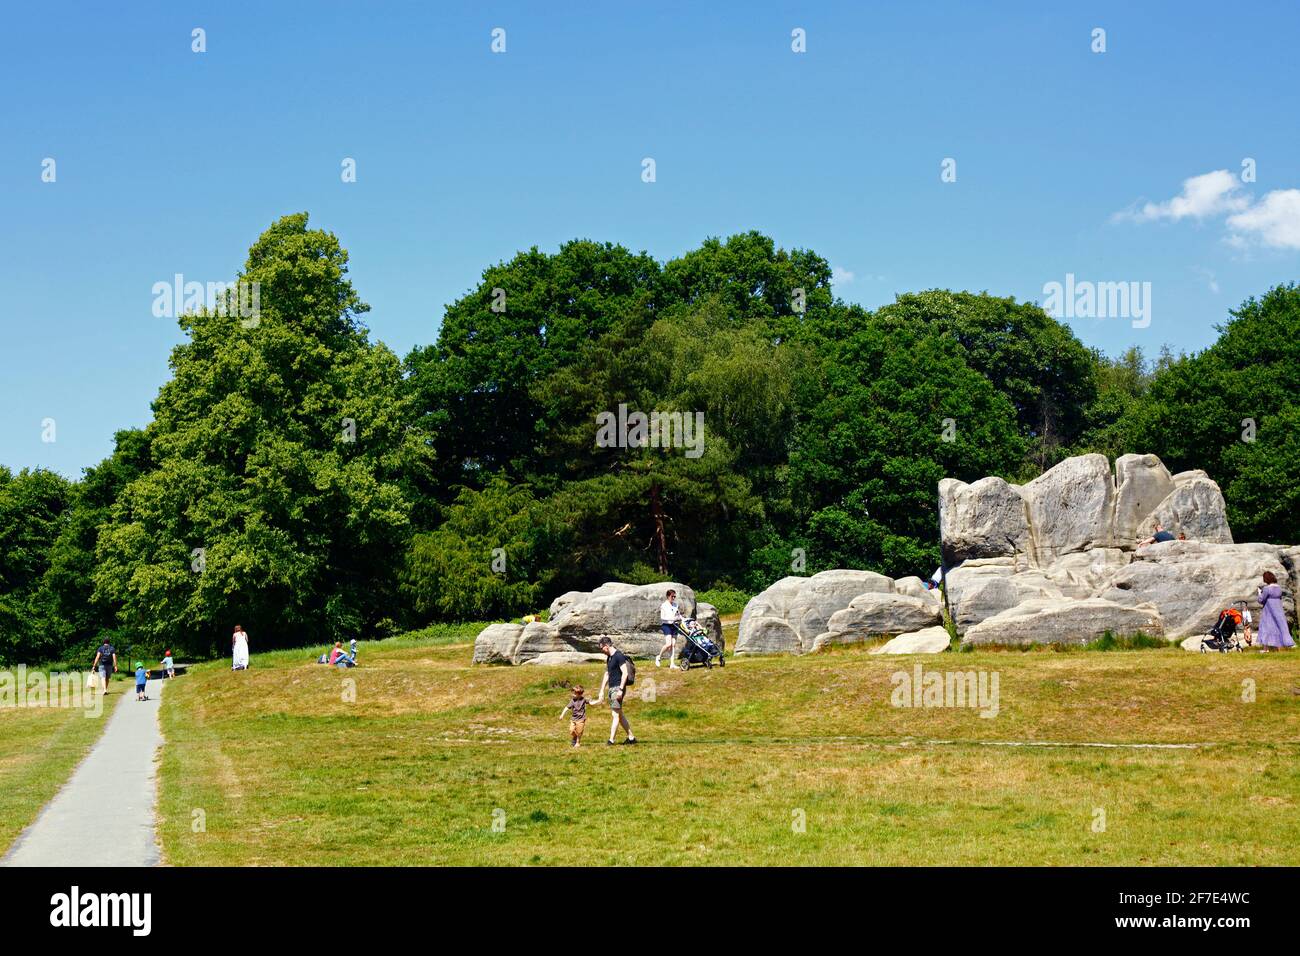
(577,707)
(141,679)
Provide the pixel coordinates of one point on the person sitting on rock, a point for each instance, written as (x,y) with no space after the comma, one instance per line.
(1158,534)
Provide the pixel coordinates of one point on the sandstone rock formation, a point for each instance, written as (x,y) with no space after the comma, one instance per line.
(1066,621)
(626,613)
(1054,560)
(792,614)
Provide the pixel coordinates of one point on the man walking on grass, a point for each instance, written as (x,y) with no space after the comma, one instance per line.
(618,675)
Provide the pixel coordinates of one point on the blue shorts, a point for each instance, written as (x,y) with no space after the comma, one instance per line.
(139,688)
(668,629)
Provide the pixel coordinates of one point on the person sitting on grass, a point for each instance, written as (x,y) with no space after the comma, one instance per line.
(340,657)
(577,706)
(618,675)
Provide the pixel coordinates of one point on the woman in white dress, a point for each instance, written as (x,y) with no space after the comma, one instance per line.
(239,649)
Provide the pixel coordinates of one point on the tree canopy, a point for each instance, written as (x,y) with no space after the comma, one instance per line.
(588,415)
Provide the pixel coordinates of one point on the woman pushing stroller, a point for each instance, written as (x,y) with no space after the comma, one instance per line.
(669,616)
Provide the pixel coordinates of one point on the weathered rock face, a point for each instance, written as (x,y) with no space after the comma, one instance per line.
(931,640)
(1142,482)
(1079,575)
(876,613)
(788,616)
(825,594)
(1064,621)
(1050,561)
(626,613)
(1071,508)
(495,644)
(1195,508)
(981,520)
(1190,582)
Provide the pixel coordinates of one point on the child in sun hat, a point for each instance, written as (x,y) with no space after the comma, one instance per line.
(141,679)
(577,708)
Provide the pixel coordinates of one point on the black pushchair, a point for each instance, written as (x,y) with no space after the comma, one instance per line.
(1222,637)
(699,647)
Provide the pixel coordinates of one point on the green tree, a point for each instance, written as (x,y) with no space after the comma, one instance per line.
(900,411)
(485,560)
(33,505)
(1036,362)
(282,457)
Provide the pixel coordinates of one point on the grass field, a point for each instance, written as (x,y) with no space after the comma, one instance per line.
(39,749)
(768,761)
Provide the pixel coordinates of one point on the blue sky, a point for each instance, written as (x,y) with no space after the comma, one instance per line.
(1068,161)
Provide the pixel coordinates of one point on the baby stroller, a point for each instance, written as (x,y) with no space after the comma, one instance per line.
(699,647)
(1223,636)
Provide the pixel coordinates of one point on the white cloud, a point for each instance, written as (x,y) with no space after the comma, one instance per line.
(840,276)
(1273,221)
(1210,194)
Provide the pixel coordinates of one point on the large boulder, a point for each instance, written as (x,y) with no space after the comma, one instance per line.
(1192,581)
(985,519)
(931,640)
(788,616)
(626,613)
(768,635)
(982,587)
(827,593)
(876,614)
(1064,621)
(495,644)
(1142,482)
(1195,508)
(1071,507)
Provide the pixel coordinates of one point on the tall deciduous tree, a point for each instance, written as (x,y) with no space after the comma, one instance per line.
(282,453)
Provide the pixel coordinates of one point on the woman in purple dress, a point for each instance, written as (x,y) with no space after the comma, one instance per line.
(1273,632)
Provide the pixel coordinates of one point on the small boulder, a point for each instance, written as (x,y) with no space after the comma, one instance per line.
(931,640)
(762,634)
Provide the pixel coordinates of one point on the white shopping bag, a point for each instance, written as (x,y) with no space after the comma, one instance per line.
(90,680)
